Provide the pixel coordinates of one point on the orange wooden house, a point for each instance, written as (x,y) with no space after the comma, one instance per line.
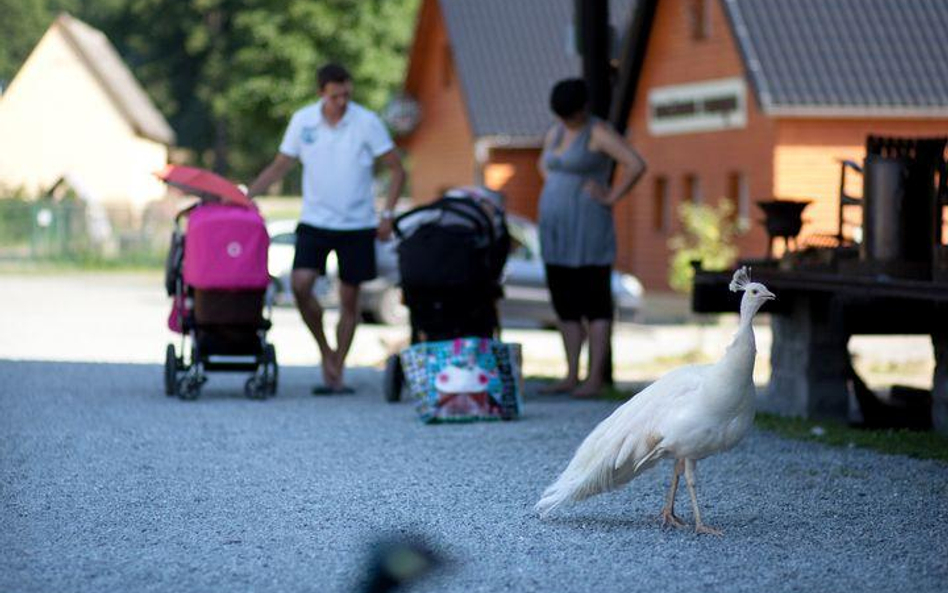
(481,73)
(743,100)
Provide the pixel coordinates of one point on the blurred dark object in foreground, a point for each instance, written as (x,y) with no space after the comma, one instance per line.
(398,562)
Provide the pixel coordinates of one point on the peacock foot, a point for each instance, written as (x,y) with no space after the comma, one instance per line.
(669,518)
(702,528)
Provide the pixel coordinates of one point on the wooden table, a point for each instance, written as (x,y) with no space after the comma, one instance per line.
(815,314)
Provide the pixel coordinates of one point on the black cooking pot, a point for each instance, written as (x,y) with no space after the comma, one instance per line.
(783,218)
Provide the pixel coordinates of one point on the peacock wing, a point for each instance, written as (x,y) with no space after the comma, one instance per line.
(645,424)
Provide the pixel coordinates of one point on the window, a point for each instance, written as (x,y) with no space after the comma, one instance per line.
(693,189)
(944,226)
(661,206)
(704,106)
(739,194)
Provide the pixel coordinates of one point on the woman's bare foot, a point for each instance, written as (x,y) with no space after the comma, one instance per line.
(564,386)
(588,389)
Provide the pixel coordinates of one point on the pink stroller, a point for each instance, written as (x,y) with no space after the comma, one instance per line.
(217,275)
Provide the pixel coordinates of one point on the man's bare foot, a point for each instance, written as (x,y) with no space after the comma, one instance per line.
(331,373)
(564,386)
(340,371)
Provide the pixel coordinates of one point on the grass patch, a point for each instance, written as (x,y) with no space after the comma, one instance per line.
(136,263)
(920,445)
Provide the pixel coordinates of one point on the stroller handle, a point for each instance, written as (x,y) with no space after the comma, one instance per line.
(480,220)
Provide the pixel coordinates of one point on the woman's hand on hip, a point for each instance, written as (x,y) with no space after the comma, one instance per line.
(598,192)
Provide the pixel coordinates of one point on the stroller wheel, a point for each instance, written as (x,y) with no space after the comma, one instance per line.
(271,369)
(255,388)
(189,387)
(393,380)
(171,371)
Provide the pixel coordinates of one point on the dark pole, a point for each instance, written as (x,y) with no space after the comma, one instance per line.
(592,18)
(595,45)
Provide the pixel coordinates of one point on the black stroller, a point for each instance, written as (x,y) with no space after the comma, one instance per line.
(451,256)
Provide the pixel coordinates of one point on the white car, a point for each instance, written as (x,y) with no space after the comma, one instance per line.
(379,300)
(526,297)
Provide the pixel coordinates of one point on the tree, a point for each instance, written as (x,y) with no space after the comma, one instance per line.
(707,235)
(21,27)
(229,73)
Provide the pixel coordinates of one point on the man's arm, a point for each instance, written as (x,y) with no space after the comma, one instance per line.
(396,182)
(274,172)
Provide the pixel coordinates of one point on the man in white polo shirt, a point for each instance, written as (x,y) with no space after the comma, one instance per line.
(337,141)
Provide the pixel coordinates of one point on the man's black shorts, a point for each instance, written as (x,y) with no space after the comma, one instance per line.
(354,249)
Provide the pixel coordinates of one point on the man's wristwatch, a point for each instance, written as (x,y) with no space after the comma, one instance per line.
(388,214)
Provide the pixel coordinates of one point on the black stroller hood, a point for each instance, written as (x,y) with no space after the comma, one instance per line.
(452,242)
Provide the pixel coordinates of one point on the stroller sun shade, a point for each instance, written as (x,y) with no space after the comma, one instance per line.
(226,249)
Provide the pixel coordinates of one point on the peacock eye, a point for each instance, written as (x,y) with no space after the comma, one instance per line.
(754,291)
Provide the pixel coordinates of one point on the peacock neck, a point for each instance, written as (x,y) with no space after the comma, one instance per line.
(742,352)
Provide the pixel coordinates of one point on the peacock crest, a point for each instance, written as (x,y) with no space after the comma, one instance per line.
(740,280)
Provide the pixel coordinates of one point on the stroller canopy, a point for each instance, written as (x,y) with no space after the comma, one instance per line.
(203,183)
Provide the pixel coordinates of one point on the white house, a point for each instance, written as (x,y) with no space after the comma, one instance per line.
(74,111)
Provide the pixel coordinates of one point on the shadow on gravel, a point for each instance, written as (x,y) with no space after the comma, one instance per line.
(601,523)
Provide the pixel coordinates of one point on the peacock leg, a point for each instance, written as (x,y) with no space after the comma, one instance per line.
(700,527)
(668,511)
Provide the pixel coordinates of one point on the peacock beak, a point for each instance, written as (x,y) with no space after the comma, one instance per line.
(769,296)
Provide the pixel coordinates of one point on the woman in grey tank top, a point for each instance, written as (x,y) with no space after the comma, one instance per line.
(577,235)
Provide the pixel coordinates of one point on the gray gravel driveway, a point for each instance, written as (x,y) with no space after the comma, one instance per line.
(108,485)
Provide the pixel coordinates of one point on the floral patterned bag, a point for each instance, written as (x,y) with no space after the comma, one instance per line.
(464,380)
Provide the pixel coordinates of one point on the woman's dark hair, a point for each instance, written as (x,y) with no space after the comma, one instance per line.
(332,73)
(568,97)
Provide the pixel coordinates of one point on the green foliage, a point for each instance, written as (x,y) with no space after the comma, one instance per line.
(229,73)
(708,234)
(21,25)
(16,221)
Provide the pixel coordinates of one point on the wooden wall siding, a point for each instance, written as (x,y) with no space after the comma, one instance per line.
(517,176)
(441,150)
(674,57)
(807,155)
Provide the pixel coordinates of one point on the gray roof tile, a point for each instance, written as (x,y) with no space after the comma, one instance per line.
(508,54)
(874,55)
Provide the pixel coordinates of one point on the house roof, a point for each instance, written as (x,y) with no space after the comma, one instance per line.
(508,55)
(845,57)
(109,68)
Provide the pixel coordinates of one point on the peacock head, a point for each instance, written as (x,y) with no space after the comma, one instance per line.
(755,293)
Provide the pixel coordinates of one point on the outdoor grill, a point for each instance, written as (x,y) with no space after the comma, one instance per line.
(884,272)
(782,219)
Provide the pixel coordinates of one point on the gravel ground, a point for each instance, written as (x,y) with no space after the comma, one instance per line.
(108,485)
